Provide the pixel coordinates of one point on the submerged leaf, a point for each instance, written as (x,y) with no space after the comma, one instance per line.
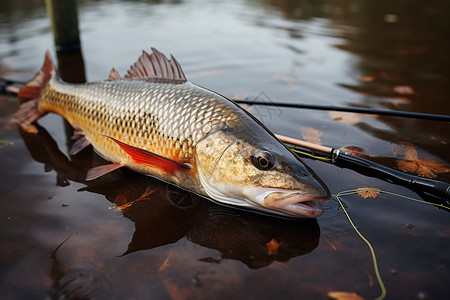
(403,90)
(421,166)
(311,135)
(367,192)
(344,296)
(348,117)
(272,247)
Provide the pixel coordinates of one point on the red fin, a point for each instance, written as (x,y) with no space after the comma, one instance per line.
(156,67)
(28,111)
(113,75)
(151,159)
(99,171)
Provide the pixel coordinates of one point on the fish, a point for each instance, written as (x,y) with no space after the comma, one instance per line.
(157,123)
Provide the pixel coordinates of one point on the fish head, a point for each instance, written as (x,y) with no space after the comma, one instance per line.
(259,174)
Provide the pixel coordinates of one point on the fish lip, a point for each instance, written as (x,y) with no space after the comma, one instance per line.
(294,201)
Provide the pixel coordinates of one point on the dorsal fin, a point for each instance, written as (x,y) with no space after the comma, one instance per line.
(156,67)
(113,75)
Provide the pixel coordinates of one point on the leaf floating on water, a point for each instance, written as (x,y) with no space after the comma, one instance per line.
(272,247)
(344,296)
(398,101)
(4,143)
(348,118)
(421,166)
(367,192)
(289,79)
(366,78)
(29,128)
(356,151)
(404,90)
(240,96)
(311,135)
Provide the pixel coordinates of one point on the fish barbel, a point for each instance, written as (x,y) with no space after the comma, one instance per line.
(155,122)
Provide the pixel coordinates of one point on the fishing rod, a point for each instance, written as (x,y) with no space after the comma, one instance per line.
(366,167)
(361,110)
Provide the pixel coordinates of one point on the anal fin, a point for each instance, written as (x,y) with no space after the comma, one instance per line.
(99,171)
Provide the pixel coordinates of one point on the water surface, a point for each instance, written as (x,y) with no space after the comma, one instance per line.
(64,238)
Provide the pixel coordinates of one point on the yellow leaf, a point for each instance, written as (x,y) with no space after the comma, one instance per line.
(311,135)
(367,192)
(272,247)
(344,296)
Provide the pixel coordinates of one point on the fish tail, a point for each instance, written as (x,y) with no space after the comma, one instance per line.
(28,111)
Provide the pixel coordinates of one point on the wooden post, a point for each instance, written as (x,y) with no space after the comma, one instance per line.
(64,17)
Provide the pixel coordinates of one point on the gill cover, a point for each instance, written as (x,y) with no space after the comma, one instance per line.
(268,177)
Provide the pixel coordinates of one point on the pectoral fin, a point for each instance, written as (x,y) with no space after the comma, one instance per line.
(147,158)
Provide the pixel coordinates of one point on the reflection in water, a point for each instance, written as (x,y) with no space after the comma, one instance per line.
(163,213)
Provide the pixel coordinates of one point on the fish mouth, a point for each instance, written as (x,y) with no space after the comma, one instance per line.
(295,202)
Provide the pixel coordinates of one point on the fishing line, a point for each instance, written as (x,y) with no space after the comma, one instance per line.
(372,251)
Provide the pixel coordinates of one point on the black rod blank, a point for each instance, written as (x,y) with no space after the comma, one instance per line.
(393,113)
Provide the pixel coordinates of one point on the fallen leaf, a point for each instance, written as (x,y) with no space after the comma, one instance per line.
(272,247)
(165,263)
(4,143)
(421,166)
(397,101)
(368,192)
(366,78)
(404,90)
(344,296)
(121,206)
(240,96)
(356,151)
(348,117)
(29,128)
(290,79)
(311,135)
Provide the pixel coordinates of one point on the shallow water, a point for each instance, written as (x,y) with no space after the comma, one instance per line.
(63,238)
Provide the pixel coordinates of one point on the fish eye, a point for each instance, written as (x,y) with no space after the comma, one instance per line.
(263,160)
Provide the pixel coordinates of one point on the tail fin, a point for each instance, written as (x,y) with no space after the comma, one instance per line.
(28,111)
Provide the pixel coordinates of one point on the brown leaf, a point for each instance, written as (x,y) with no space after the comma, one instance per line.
(344,296)
(240,96)
(366,78)
(398,101)
(404,90)
(311,135)
(357,151)
(272,247)
(348,117)
(367,192)
(29,128)
(421,166)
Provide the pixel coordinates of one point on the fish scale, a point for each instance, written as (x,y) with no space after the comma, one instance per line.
(155,122)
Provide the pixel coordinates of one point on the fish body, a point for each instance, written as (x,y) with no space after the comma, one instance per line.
(157,123)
